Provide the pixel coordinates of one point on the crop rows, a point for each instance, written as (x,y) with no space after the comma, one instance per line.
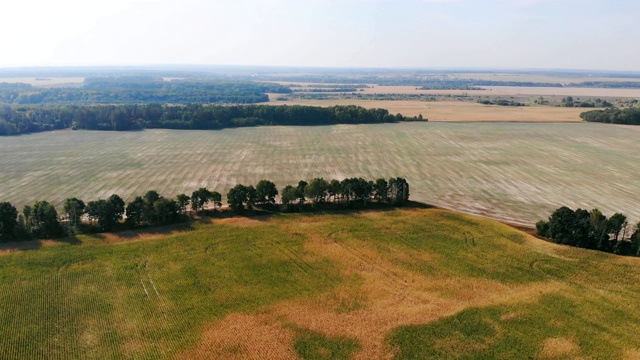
(516,172)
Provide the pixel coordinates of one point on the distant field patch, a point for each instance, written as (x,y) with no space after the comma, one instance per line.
(515,172)
(456,111)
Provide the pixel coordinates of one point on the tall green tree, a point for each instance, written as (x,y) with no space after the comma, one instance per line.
(216,199)
(617,223)
(135,212)
(183,202)
(106,212)
(381,190)
(44,220)
(398,191)
(74,208)
(288,195)
(8,220)
(316,190)
(237,198)
(200,198)
(266,192)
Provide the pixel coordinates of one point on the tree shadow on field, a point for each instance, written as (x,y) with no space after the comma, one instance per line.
(141,232)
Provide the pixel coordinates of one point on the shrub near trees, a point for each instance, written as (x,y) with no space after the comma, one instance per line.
(591,230)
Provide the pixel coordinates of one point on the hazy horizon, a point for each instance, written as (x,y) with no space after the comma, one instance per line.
(363,34)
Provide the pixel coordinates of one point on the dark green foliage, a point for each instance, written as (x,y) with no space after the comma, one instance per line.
(8,220)
(140,90)
(135,212)
(216,199)
(74,208)
(501,102)
(288,195)
(629,116)
(43,220)
(590,229)
(398,191)
(239,196)
(317,190)
(183,202)
(106,212)
(266,192)
(194,116)
(542,228)
(381,190)
(200,198)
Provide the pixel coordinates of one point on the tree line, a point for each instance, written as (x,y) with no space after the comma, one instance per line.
(591,230)
(141,90)
(42,220)
(629,116)
(22,120)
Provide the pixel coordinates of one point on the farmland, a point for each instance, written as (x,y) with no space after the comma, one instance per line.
(455,111)
(407,283)
(513,172)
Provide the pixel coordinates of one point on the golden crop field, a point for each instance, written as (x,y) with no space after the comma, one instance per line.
(456,111)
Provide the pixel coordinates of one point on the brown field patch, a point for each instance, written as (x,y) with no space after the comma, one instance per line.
(240,221)
(631,355)
(228,339)
(559,347)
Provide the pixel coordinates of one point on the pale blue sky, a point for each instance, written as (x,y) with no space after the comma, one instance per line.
(569,34)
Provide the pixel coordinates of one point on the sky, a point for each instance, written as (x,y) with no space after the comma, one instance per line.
(510,34)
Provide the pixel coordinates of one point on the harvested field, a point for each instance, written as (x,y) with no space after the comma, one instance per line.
(514,172)
(456,111)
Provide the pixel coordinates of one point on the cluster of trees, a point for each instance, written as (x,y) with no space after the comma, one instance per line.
(501,102)
(43,221)
(630,116)
(591,230)
(608,84)
(23,120)
(137,90)
(348,192)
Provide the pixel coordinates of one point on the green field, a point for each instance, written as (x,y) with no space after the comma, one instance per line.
(411,283)
(515,172)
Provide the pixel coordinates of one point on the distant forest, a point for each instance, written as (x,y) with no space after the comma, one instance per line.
(23,120)
(141,90)
(630,116)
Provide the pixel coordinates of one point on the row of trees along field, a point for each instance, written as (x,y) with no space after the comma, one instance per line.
(22,120)
(591,230)
(141,90)
(41,220)
(629,116)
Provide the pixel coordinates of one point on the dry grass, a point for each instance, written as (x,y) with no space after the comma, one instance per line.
(559,347)
(228,339)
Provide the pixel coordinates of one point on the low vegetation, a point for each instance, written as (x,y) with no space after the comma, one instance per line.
(404,283)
